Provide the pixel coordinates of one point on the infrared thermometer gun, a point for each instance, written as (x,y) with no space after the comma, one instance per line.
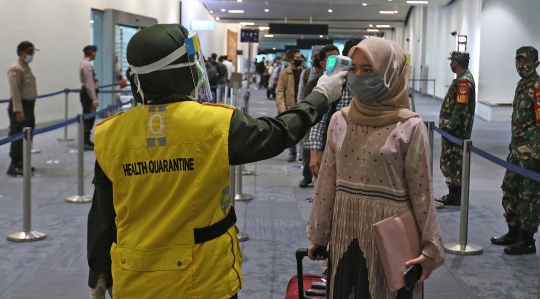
(337,63)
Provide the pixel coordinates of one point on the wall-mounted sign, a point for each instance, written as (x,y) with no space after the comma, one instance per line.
(249,35)
(239,52)
(202,25)
(462,43)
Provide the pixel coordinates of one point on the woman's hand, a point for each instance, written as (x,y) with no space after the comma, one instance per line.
(311,249)
(427,263)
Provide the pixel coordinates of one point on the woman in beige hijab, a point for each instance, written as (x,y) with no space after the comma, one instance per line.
(375,165)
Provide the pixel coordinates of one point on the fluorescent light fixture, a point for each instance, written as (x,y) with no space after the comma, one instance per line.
(268,35)
(266,10)
(364,4)
(383,26)
(370,25)
(223,10)
(387,12)
(264,28)
(417,2)
(373,30)
(236,11)
(246,23)
(329,10)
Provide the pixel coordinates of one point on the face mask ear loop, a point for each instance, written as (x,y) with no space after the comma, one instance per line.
(392,58)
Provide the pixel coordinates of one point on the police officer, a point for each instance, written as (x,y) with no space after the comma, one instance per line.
(161,222)
(456,118)
(521,194)
(89,90)
(22,84)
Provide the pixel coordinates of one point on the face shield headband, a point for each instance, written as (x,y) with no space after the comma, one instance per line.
(192,48)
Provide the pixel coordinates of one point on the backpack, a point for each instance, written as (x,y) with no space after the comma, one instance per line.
(212,72)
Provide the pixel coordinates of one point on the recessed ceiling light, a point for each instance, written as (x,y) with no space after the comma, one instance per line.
(266,10)
(268,35)
(264,28)
(320,36)
(91,21)
(364,4)
(417,2)
(217,18)
(329,10)
(236,11)
(273,48)
(387,12)
(223,10)
(370,25)
(383,26)
(395,11)
(373,30)
(238,0)
(211,11)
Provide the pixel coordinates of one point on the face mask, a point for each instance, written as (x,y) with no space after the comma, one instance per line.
(525,71)
(275,64)
(298,62)
(29,58)
(317,63)
(371,88)
(285,63)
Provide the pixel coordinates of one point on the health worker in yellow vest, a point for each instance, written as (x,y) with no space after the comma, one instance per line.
(161,223)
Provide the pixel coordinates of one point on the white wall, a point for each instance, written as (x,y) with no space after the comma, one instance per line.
(61,28)
(506,26)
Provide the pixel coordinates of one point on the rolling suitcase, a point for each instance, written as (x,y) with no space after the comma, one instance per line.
(315,284)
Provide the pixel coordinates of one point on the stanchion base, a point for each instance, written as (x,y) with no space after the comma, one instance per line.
(36,151)
(243,197)
(26,236)
(469,249)
(79,198)
(439,205)
(242,237)
(248,172)
(65,139)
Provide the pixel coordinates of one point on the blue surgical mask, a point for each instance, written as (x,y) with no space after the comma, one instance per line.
(285,63)
(371,88)
(28,58)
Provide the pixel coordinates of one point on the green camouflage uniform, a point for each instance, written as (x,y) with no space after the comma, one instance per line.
(520,194)
(456,118)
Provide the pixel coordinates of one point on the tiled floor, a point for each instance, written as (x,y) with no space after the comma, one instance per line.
(274,220)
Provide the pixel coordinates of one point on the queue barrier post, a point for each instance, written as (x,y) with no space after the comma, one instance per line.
(462,248)
(27,235)
(225,94)
(430,128)
(80,197)
(242,236)
(434,83)
(240,196)
(66,138)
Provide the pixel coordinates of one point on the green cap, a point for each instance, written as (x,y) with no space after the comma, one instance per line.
(528,52)
(459,56)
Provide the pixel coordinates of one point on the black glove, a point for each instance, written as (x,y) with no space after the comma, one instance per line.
(534,165)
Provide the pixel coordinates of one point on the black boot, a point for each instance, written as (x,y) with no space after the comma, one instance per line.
(14,170)
(525,244)
(510,237)
(453,198)
(305,182)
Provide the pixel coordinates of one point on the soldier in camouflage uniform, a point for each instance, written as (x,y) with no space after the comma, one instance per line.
(456,118)
(520,194)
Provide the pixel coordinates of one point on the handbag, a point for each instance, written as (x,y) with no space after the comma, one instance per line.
(398,240)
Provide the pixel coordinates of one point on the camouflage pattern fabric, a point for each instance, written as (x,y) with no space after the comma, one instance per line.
(528,52)
(521,196)
(456,118)
(459,56)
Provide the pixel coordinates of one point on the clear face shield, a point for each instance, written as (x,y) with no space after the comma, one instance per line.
(202,92)
(191,48)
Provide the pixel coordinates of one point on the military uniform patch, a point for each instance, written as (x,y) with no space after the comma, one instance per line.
(14,72)
(463,92)
(537,104)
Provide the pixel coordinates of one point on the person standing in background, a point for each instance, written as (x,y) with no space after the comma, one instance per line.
(89,91)
(23,91)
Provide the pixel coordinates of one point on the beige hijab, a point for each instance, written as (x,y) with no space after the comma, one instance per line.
(394,105)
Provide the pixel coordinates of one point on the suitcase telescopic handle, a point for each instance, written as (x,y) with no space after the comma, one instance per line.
(300,254)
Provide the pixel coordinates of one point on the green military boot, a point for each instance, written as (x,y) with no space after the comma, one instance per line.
(453,198)
(509,238)
(525,244)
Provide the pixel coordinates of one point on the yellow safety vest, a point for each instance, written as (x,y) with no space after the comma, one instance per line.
(169,168)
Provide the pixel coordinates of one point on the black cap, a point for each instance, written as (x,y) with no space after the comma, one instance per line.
(23,46)
(90,49)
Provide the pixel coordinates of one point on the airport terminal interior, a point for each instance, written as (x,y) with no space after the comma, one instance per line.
(272,210)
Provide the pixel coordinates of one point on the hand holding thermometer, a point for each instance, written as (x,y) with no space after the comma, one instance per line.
(337,63)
